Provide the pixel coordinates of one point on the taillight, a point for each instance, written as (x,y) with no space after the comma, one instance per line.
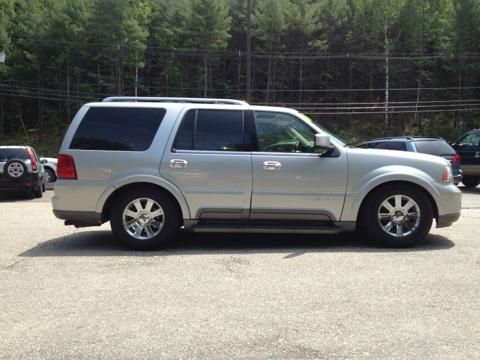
(66,168)
(33,161)
(456,159)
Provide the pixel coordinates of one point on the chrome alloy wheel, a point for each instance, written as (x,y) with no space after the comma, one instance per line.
(143,218)
(15,170)
(399,215)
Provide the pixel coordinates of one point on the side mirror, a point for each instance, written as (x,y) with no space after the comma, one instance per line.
(322,144)
(44,161)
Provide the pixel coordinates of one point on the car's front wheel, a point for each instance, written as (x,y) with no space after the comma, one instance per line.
(397,216)
(50,175)
(471,181)
(145,219)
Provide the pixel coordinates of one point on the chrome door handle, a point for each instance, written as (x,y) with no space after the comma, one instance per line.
(271,165)
(178,163)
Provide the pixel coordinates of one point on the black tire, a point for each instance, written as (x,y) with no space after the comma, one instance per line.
(37,192)
(171,219)
(374,228)
(471,181)
(18,169)
(50,175)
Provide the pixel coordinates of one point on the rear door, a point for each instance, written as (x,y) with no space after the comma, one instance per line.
(209,160)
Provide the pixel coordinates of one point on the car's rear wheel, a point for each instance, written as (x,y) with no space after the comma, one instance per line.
(145,219)
(397,216)
(471,181)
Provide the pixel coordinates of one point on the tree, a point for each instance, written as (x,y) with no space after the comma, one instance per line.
(208,30)
(6,11)
(117,32)
(270,23)
(168,31)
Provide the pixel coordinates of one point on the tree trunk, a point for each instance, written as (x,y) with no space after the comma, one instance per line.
(2,120)
(68,83)
(249,50)
(300,78)
(205,75)
(269,74)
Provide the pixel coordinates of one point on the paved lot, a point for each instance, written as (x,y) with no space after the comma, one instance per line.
(77,294)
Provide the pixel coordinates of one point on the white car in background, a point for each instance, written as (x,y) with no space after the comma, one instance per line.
(50,166)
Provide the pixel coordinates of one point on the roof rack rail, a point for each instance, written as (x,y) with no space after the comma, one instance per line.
(174,99)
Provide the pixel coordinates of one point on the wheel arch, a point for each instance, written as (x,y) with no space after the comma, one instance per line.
(397,183)
(118,191)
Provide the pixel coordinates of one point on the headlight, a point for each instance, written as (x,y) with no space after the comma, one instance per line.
(447,176)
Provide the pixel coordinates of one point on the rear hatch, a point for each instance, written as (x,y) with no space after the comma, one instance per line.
(9,153)
(438,147)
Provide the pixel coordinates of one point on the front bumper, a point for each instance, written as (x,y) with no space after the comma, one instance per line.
(447,220)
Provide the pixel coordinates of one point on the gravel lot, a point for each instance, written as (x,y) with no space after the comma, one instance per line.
(77,294)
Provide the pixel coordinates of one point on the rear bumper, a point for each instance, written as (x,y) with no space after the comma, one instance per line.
(471,170)
(24,184)
(79,218)
(447,219)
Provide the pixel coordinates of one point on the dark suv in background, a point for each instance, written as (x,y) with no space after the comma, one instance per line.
(468,146)
(425,145)
(21,171)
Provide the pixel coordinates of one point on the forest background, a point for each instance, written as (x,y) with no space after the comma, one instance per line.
(361,68)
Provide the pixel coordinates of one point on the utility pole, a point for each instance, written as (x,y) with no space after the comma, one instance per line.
(387,74)
(249,49)
(419,81)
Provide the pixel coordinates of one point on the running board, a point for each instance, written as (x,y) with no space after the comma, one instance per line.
(271,229)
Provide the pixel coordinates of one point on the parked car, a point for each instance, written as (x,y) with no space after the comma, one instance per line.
(50,166)
(468,146)
(21,171)
(424,145)
(151,166)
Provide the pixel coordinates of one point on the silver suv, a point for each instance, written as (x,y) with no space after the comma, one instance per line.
(152,166)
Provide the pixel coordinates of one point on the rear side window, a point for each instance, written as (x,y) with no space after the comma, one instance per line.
(438,147)
(389,145)
(121,129)
(9,154)
(392,145)
(217,130)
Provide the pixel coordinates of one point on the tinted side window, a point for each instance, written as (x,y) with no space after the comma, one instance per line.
(127,129)
(218,130)
(438,147)
(12,153)
(368,145)
(280,132)
(391,145)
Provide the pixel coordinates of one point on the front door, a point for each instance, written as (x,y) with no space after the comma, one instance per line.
(290,181)
(210,163)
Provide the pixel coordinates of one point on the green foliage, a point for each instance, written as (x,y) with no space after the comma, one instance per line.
(208,27)
(62,53)
(6,11)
